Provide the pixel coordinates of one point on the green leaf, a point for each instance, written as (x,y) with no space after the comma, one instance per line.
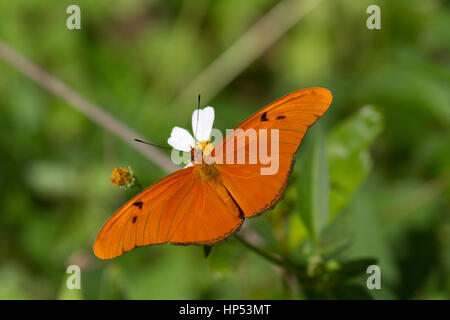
(313,187)
(354,268)
(297,232)
(348,154)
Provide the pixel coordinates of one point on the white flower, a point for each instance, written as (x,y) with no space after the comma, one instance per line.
(202,123)
(181,139)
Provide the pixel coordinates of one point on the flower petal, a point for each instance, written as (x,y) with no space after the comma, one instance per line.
(202,123)
(181,139)
(190,164)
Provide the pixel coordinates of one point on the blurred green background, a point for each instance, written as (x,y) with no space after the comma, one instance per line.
(371,184)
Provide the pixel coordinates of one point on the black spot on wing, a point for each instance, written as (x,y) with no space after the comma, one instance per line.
(134,219)
(281,117)
(264,117)
(138,204)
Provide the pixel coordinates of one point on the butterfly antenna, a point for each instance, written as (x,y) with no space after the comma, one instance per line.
(198,114)
(151,144)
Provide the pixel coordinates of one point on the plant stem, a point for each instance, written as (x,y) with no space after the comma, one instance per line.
(138,185)
(246,49)
(272,259)
(81,104)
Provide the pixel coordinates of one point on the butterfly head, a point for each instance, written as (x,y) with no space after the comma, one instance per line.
(201,149)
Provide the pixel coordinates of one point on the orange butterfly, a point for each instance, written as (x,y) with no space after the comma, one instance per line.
(207,202)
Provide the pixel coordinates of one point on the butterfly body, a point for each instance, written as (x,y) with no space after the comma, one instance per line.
(209,200)
(208,172)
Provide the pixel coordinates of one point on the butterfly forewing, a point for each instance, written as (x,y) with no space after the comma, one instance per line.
(292,115)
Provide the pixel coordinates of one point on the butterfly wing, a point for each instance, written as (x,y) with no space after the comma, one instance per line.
(292,115)
(179,209)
